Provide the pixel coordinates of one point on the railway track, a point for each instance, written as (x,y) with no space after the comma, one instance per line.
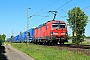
(72,47)
(75,46)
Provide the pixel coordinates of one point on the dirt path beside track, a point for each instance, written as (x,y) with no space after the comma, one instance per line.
(14,54)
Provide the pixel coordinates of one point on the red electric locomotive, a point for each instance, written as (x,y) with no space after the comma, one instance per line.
(52,32)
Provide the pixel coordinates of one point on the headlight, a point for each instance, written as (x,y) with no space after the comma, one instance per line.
(54,33)
(51,33)
(63,33)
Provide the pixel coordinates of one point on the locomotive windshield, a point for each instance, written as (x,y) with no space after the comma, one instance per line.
(57,25)
(62,26)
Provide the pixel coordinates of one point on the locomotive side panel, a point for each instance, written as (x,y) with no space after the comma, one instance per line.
(51,32)
(48,29)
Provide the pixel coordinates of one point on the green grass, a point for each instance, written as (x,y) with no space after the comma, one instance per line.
(47,53)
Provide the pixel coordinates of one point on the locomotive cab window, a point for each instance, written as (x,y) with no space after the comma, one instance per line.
(58,25)
(62,25)
(55,25)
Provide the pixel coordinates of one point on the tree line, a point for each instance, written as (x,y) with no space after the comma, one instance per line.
(2,38)
(77,20)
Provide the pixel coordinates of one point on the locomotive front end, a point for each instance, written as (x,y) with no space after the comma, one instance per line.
(59,32)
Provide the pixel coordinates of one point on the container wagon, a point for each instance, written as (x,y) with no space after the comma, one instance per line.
(30,34)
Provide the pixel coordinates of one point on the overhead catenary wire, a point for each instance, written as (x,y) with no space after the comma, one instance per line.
(36,13)
(59,8)
(64,11)
(72,5)
(85,7)
(46,11)
(47,8)
(78,1)
(81,9)
(64,4)
(67,2)
(56,9)
(51,5)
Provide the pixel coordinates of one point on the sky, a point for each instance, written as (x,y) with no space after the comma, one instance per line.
(13,14)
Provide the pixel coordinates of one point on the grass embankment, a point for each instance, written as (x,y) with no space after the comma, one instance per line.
(47,53)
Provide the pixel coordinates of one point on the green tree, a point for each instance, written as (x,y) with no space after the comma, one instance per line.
(88,37)
(77,20)
(69,36)
(0,37)
(3,37)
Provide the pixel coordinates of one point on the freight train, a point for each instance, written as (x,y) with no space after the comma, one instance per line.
(51,32)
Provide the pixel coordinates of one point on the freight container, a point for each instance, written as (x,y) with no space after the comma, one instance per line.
(17,38)
(24,36)
(20,37)
(30,34)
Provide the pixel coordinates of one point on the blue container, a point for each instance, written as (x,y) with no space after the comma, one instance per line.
(24,36)
(31,31)
(13,39)
(17,37)
(20,37)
